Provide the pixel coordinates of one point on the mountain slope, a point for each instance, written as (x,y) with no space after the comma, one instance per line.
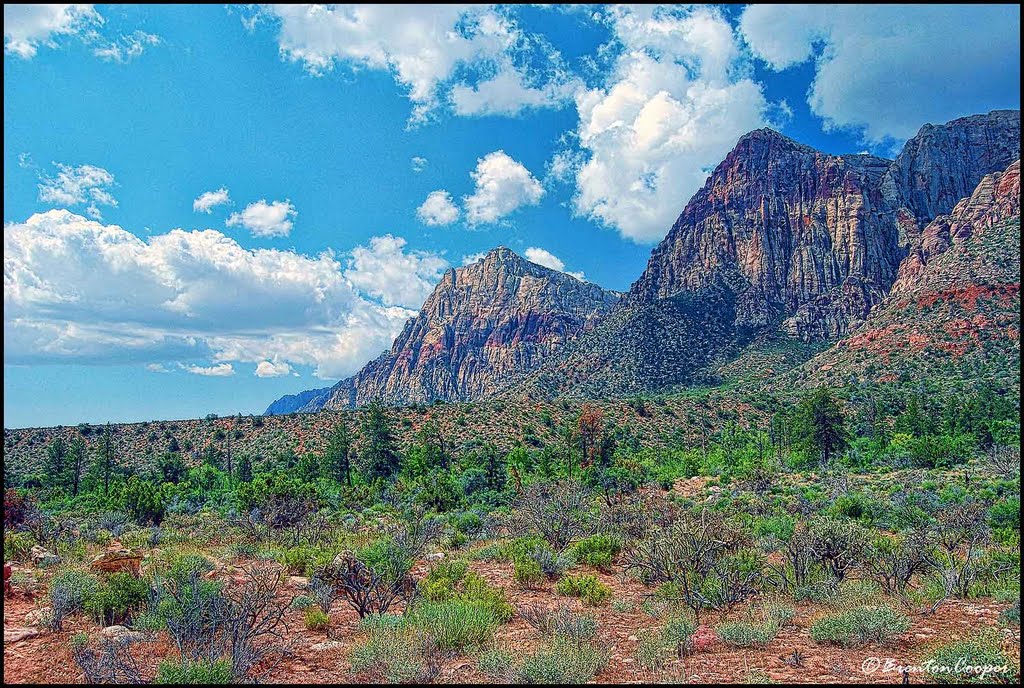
(484,322)
(954,309)
(781,240)
(290,403)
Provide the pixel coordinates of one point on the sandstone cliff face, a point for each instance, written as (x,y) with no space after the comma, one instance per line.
(498,317)
(996,198)
(943,163)
(796,233)
(953,312)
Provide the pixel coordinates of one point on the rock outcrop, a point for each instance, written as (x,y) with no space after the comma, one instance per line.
(795,233)
(484,322)
(943,163)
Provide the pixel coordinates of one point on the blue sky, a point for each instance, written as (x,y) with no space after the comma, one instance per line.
(208,207)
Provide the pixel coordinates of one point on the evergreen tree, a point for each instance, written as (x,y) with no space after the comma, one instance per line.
(172,468)
(106,458)
(379,456)
(56,461)
(76,463)
(820,425)
(245,469)
(337,456)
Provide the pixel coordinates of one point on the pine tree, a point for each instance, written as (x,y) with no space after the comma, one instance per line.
(77,463)
(820,425)
(379,457)
(56,461)
(337,456)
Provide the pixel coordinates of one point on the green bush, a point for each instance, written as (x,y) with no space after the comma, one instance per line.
(70,591)
(678,629)
(117,597)
(563,661)
(17,545)
(315,619)
(952,662)
(497,664)
(597,551)
(859,626)
(301,602)
(184,672)
(588,588)
(455,624)
(395,651)
(527,573)
(304,560)
(442,581)
(746,634)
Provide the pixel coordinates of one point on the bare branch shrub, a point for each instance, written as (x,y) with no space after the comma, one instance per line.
(560,512)
(111,662)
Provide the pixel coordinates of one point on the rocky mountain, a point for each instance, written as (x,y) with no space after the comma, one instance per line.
(290,403)
(781,239)
(498,317)
(953,312)
(943,163)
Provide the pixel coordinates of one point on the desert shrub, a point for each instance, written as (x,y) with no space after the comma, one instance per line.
(299,561)
(372,578)
(70,590)
(497,664)
(441,582)
(117,598)
(396,652)
(588,588)
(184,672)
(678,629)
(475,589)
(859,626)
(747,634)
(17,545)
(597,551)
(702,555)
(322,592)
(1011,616)
(560,621)
(315,619)
(527,573)
(302,602)
(455,624)
(144,501)
(977,659)
(893,560)
(836,545)
(563,661)
(560,512)
(110,662)
(551,563)
(778,612)
(650,651)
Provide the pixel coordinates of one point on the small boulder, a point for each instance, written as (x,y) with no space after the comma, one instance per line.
(703,638)
(41,557)
(326,646)
(39,617)
(120,633)
(117,561)
(436,556)
(13,634)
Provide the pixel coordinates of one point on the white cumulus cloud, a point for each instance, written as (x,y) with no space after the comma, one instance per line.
(219,370)
(438,209)
(473,258)
(209,199)
(430,50)
(272,369)
(78,185)
(888,69)
(386,271)
(127,47)
(79,291)
(674,104)
(502,185)
(419,163)
(549,260)
(274,219)
(28,26)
